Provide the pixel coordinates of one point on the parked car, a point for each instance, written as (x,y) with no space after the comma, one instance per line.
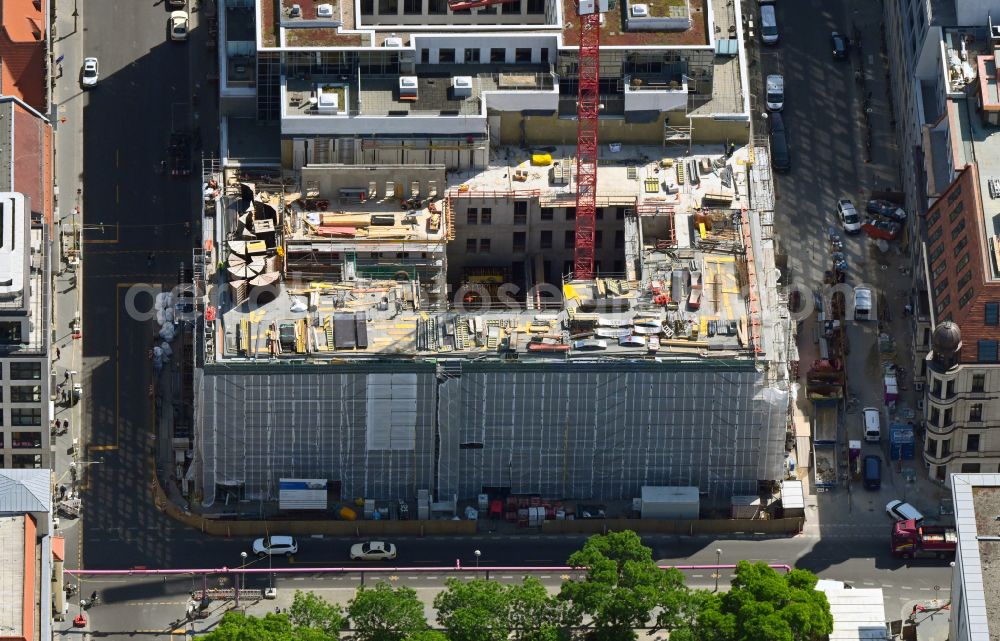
(882,229)
(849,218)
(90,72)
(839,44)
(178,25)
(275,545)
(775,86)
(900,511)
(373,551)
(781,157)
(768,25)
(886,209)
(872,472)
(872,424)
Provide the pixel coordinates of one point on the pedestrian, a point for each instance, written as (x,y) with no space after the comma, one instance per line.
(58,353)
(58,424)
(65,376)
(66,424)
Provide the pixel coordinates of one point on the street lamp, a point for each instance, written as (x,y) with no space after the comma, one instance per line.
(718,568)
(478,554)
(236,582)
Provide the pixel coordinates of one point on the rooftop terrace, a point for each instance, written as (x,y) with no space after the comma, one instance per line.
(616,31)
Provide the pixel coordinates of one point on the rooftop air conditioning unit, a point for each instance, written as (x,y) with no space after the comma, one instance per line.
(295,11)
(393,41)
(408,87)
(461,86)
(324,11)
(328,102)
(640,11)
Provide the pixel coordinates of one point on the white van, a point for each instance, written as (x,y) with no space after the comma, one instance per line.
(872,424)
(862,304)
(775,98)
(768,24)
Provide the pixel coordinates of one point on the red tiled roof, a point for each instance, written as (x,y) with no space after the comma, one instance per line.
(22,51)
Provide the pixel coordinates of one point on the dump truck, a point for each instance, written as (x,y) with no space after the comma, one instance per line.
(911,540)
(824,434)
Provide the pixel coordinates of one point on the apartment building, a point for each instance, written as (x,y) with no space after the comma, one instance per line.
(26,200)
(389,297)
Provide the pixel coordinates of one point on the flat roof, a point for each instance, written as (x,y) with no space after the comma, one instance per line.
(976,499)
(615,32)
(979,143)
(14,568)
(858,614)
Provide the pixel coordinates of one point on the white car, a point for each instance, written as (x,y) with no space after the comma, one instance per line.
(849,217)
(275,545)
(178,25)
(373,551)
(775,92)
(899,511)
(90,73)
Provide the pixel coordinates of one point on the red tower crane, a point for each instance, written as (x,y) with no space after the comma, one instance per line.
(587,108)
(459,5)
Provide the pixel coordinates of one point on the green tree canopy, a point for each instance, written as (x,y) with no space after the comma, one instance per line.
(235,626)
(427,635)
(476,610)
(622,586)
(386,614)
(309,611)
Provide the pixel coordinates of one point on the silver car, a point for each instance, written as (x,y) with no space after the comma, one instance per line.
(90,72)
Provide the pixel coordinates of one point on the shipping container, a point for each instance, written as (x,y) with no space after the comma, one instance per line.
(676,503)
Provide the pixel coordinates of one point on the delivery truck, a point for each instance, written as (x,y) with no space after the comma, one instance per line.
(911,540)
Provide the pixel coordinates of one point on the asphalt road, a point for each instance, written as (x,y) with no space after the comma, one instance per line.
(130,210)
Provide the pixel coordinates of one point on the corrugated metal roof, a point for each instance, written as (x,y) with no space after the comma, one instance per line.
(24,491)
(858,614)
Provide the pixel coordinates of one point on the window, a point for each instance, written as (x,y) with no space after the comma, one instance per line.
(935,236)
(367,7)
(949,389)
(936,387)
(940,287)
(619,239)
(26,416)
(26,461)
(498,55)
(935,417)
(946,448)
(413,7)
(484,245)
(568,267)
(511,8)
(960,246)
(966,297)
(962,262)
(26,371)
(437,7)
(543,53)
(470,245)
(10,333)
(569,239)
(546,214)
(956,212)
(388,7)
(537,7)
(521,212)
(933,256)
(947,418)
(485,216)
(964,280)
(472,216)
(520,240)
(24,394)
(472,56)
(446,55)
(517,269)
(959,228)
(976,413)
(992,312)
(970,468)
(545,240)
(939,270)
(620,213)
(978,382)
(987,350)
(953,196)
(932,447)
(522,55)
(599,213)
(598,238)
(425,56)
(943,304)
(933,218)
(26,440)
(571,213)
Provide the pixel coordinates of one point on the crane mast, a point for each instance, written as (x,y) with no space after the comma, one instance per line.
(587,108)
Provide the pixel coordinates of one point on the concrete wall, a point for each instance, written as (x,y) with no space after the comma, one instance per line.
(501,229)
(552,130)
(333,178)
(485,43)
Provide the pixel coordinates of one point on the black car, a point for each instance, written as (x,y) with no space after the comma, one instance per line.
(781,158)
(839,44)
(886,209)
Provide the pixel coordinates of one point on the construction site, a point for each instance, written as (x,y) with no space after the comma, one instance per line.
(415,323)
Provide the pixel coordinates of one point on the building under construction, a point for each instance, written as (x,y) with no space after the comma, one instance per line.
(393,305)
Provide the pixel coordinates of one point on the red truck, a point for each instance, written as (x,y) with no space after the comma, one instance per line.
(910,540)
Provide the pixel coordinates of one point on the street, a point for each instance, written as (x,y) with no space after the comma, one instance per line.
(111,146)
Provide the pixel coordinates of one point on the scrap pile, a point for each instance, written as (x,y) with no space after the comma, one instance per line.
(254,258)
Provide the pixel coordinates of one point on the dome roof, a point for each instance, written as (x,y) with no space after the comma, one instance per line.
(947,337)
